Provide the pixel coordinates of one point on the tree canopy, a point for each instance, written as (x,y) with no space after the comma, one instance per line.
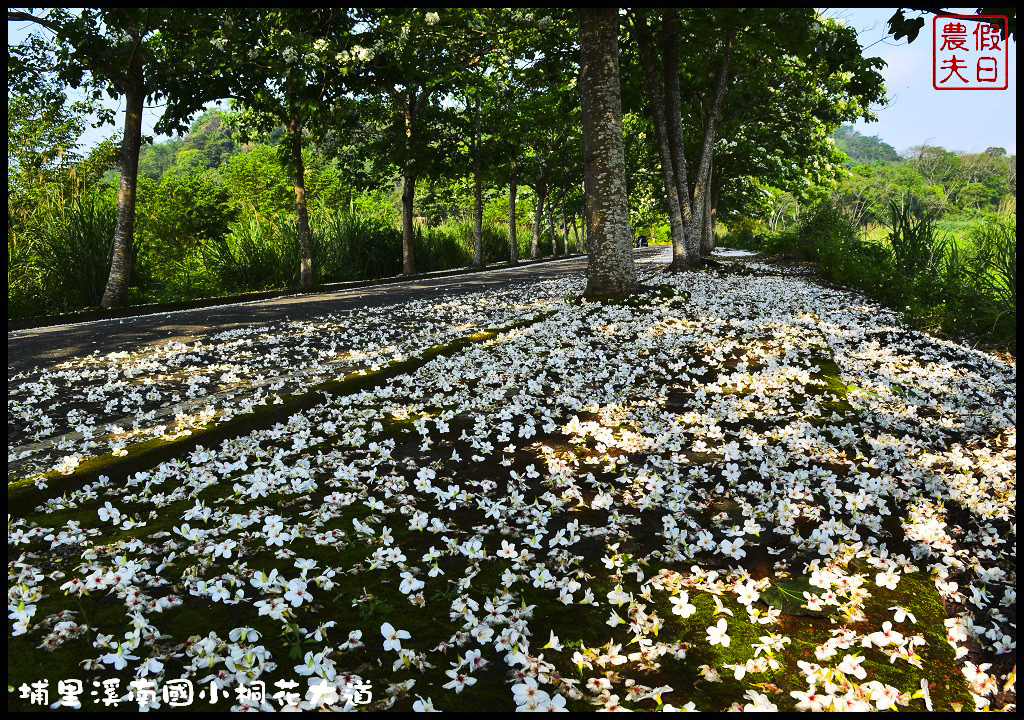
(481,105)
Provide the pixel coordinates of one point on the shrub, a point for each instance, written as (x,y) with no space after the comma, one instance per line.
(174,220)
(352,248)
(917,250)
(745,234)
(24,276)
(444,247)
(936,283)
(824,227)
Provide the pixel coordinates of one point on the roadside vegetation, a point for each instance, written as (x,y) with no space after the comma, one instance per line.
(215,218)
(944,255)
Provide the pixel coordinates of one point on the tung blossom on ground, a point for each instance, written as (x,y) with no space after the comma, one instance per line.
(551,514)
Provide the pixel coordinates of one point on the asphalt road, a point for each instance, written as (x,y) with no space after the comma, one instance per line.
(48,346)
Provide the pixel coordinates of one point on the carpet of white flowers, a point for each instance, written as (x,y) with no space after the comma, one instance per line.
(121,399)
(736,491)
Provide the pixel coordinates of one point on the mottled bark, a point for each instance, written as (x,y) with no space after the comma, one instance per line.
(478,189)
(551,230)
(583,231)
(715,193)
(706,239)
(408,192)
(565,230)
(610,270)
(411,100)
(115,295)
(408,237)
(682,252)
(306,279)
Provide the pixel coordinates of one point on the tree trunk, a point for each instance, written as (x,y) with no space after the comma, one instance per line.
(610,270)
(659,114)
(538,213)
(513,240)
(565,229)
(408,238)
(478,188)
(584,230)
(115,295)
(577,243)
(716,191)
(701,187)
(706,240)
(682,254)
(409,188)
(306,280)
(478,238)
(551,229)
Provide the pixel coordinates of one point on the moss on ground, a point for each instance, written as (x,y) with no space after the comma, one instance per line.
(364,597)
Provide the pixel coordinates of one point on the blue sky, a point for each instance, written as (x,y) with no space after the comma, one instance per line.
(915,114)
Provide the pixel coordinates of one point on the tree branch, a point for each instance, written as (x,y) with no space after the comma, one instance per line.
(17,16)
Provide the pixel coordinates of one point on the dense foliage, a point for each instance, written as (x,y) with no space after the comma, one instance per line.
(216,216)
(946,183)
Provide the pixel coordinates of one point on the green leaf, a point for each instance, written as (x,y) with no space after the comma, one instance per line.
(787,595)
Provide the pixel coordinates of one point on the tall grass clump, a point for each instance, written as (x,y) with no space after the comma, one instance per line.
(444,247)
(349,247)
(61,261)
(918,250)
(745,234)
(992,279)
(959,288)
(495,239)
(76,247)
(261,253)
(24,276)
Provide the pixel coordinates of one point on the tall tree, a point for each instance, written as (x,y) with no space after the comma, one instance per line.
(610,270)
(663,107)
(686,196)
(777,117)
(287,66)
(418,57)
(508,46)
(474,37)
(42,131)
(122,51)
(698,233)
(785,77)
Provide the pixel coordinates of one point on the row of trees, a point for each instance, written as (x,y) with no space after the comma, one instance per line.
(716,98)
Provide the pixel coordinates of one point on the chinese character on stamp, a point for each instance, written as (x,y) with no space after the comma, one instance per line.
(970,52)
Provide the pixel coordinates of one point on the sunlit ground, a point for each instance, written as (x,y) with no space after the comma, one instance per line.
(739,491)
